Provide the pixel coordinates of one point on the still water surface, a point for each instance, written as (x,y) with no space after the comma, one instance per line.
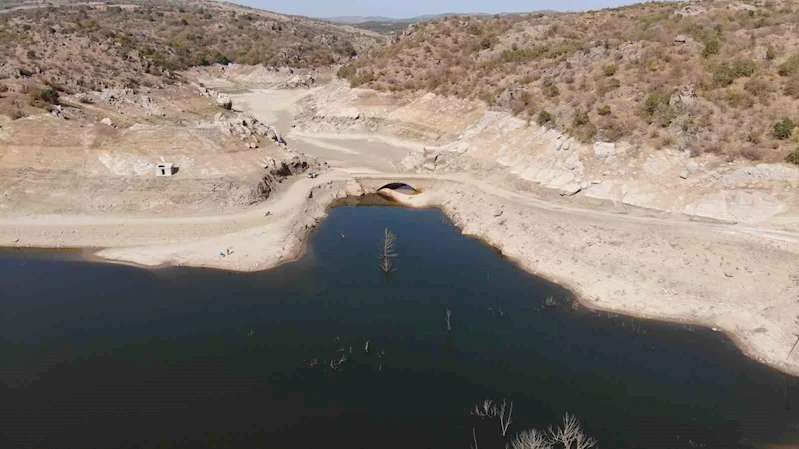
(107,356)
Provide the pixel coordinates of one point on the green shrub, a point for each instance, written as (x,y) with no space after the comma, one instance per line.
(789,67)
(545,117)
(712,47)
(523,54)
(346,48)
(31,54)
(604,110)
(784,128)
(793,157)
(582,128)
(609,70)
(43,98)
(743,68)
(656,99)
(580,119)
(586,133)
(771,53)
(727,74)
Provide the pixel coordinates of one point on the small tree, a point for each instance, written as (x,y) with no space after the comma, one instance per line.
(784,128)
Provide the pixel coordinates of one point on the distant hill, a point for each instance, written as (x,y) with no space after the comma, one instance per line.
(354,20)
(387,25)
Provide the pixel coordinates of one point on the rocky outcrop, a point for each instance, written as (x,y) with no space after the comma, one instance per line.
(276,171)
(740,206)
(684,100)
(247,127)
(760,173)
(222,100)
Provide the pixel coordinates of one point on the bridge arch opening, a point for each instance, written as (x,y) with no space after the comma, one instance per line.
(400,187)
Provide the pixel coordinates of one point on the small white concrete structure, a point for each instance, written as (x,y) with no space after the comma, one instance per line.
(164,169)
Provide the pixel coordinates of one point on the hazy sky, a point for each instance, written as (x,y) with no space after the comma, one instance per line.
(410,8)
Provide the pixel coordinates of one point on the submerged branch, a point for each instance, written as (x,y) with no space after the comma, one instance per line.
(387,252)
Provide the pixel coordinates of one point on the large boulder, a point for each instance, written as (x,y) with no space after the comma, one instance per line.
(224,101)
(603,150)
(684,100)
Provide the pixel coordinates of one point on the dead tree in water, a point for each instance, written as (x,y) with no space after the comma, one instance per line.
(489,410)
(449,320)
(387,253)
(531,439)
(571,435)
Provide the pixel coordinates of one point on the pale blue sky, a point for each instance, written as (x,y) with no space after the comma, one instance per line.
(410,8)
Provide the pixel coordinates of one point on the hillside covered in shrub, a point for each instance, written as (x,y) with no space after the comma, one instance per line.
(718,76)
(84,46)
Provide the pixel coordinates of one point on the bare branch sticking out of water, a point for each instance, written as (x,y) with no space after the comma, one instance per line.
(335,365)
(449,320)
(387,251)
(486,410)
(530,439)
(570,435)
(489,410)
(505,418)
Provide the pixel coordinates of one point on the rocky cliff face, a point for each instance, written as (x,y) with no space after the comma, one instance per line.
(460,135)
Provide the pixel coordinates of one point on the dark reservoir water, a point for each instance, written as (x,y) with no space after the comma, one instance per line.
(107,356)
